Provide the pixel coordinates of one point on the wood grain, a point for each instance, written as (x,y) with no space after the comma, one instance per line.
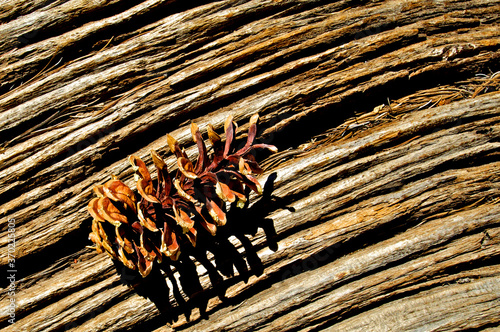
(383,212)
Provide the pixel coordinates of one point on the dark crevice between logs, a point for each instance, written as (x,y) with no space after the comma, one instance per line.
(93,313)
(117,151)
(340,249)
(26,186)
(32,264)
(14,135)
(19,10)
(484,327)
(311,126)
(303,53)
(74,51)
(351,105)
(456,269)
(158,13)
(384,232)
(35,262)
(193,50)
(41,274)
(278,80)
(404,223)
(46,32)
(90,315)
(362,32)
(307,6)
(470,265)
(257,55)
(213,33)
(482,158)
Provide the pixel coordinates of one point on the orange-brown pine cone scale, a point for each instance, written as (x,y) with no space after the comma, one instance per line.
(141,228)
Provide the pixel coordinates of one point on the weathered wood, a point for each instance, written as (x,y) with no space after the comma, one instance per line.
(385,217)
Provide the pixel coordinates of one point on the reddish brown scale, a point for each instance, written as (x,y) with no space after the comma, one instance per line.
(141,228)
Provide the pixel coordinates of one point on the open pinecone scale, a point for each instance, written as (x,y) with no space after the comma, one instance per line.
(138,229)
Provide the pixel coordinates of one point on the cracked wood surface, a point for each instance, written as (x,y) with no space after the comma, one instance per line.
(381,217)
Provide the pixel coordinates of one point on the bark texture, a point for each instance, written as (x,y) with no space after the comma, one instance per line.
(381,209)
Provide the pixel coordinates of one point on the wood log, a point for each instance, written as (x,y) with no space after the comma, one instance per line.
(380,210)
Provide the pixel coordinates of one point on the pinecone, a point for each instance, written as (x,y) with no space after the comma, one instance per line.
(139,229)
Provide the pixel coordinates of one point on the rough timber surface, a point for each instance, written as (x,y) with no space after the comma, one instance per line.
(384,209)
